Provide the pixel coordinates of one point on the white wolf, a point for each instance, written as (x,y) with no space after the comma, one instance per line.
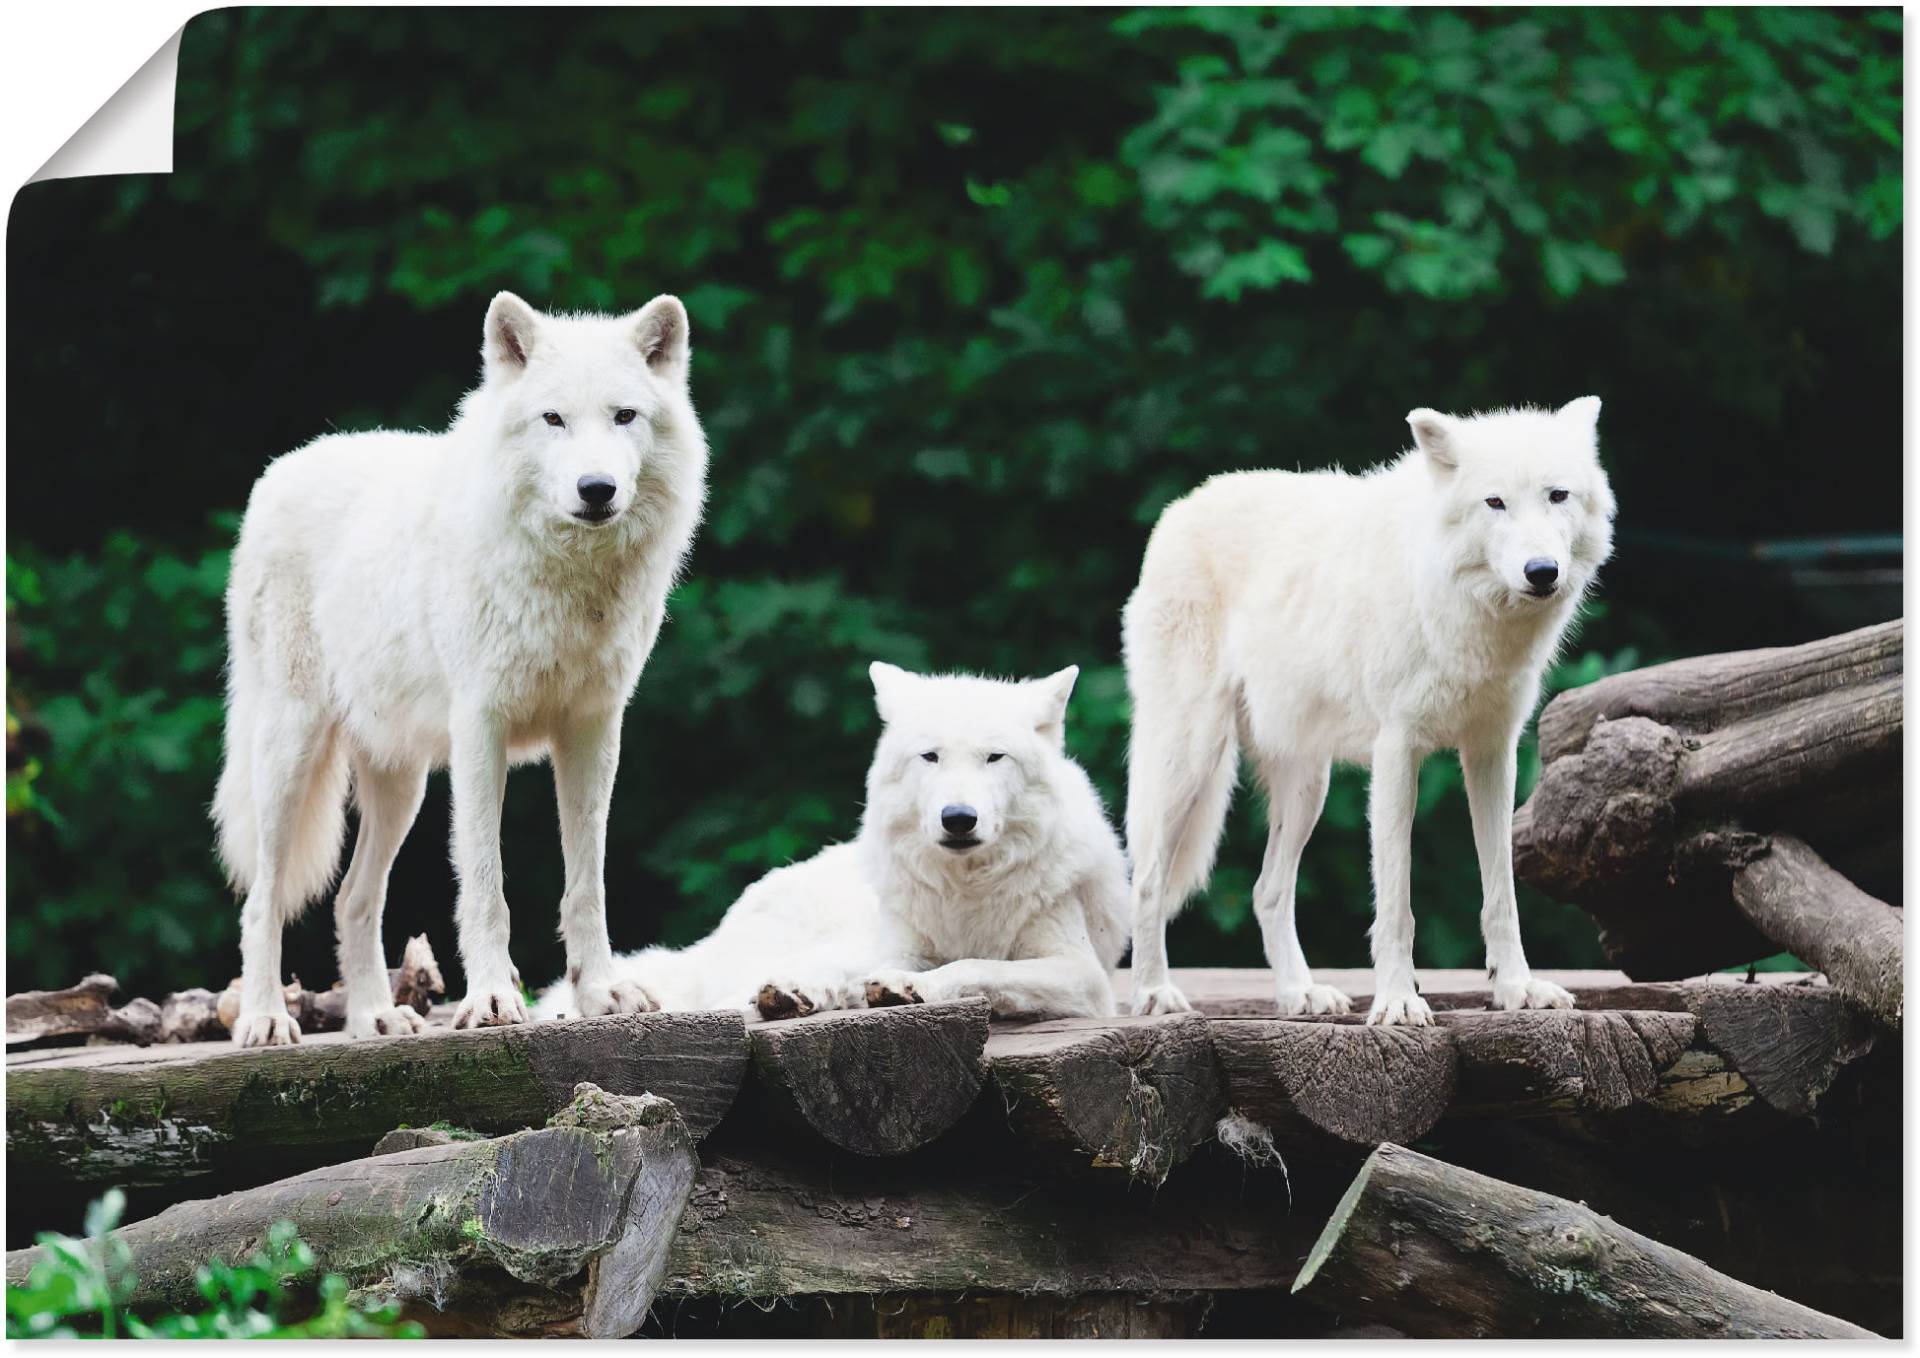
(1320,616)
(475,598)
(984,866)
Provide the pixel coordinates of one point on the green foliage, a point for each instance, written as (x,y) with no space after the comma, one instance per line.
(80,1289)
(974,296)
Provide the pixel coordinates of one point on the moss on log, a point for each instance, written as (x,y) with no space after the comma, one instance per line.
(162,1114)
(1442,1252)
(561,1230)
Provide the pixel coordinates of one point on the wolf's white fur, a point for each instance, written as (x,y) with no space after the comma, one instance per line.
(1032,917)
(1312,617)
(404,601)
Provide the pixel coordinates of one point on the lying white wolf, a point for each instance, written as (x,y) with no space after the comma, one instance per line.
(1312,617)
(984,866)
(476,598)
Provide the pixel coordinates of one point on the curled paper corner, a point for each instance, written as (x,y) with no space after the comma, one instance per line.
(132,133)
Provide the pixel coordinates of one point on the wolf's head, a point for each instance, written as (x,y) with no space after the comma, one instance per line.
(584,407)
(1523,508)
(966,767)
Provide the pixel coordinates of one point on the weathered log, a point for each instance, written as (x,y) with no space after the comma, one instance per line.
(562,1230)
(1549,1061)
(1793,897)
(157,1115)
(416,983)
(770,1226)
(1441,1252)
(873,1081)
(1135,1094)
(1660,785)
(1355,1083)
(86,1009)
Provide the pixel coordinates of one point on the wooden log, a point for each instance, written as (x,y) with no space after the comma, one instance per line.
(562,1230)
(1661,785)
(873,1081)
(162,1114)
(1440,1252)
(1792,896)
(1345,1080)
(1552,1061)
(1133,1094)
(774,1226)
(85,1008)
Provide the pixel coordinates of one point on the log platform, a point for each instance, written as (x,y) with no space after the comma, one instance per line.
(921,1170)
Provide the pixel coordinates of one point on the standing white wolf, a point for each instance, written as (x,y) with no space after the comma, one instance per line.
(1309,617)
(984,866)
(475,598)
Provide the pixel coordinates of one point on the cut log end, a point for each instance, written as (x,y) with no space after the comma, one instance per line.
(1357,1083)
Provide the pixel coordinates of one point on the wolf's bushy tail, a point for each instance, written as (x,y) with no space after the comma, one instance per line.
(318,823)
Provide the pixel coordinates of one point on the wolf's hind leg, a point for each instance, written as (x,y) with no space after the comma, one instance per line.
(389,800)
(298,814)
(1489,772)
(1296,793)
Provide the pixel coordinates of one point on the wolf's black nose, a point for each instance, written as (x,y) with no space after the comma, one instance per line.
(1541,572)
(596,489)
(958,820)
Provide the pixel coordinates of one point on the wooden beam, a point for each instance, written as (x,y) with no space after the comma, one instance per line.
(162,1114)
(1351,1082)
(1441,1252)
(1793,897)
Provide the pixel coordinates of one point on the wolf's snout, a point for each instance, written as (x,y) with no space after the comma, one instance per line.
(1542,573)
(597,489)
(958,820)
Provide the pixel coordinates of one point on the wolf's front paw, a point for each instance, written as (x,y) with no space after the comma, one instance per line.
(266,1030)
(1397,1010)
(616,997)
(1313,999)
(886,988)
(783,999)
(490,1007)
(384,1022)
(1528,993)
(1161,999)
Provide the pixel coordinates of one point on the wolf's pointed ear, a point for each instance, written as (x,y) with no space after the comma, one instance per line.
(661,333)
(1584,412)
(1050,711)
(1433,434)
(888,681)
(512,331)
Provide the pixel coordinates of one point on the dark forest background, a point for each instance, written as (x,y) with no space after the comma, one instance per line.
(974,294)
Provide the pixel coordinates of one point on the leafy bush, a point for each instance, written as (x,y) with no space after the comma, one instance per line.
(80,1289)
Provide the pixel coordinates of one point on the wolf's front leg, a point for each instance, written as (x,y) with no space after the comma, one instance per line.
(1049,987)
(586,753)
(479,768)
(1390,801)
(1489,772)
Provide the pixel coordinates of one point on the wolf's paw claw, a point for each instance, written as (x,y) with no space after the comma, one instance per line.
(1530,994)
(1161,999)
(490,1007)
(778,1001)
(1400,1011)
(266,1030)
(890,988)
(622,997)
(385,1023)
(1314,999)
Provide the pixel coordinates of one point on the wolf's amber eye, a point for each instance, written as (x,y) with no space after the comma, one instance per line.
(1495,502)
(931,756)
(1556,497)
(624,416)
(552,417)
(996,756)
